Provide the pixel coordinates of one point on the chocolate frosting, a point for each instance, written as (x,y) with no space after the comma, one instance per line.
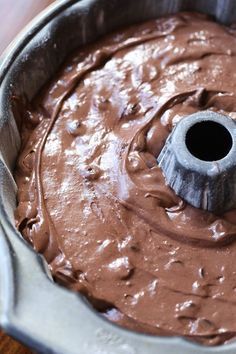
(92,198)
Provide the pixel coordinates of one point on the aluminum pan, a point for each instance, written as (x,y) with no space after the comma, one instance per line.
(43,315)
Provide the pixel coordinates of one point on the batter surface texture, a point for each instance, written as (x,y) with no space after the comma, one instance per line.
(92,198)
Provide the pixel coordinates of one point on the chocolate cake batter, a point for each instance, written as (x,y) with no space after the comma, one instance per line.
(92,198)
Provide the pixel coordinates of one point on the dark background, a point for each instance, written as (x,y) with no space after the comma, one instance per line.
(15,14)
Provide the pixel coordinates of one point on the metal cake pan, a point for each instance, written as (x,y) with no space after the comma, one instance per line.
(41,314)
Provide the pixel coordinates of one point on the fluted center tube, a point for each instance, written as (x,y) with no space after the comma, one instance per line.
(199,161)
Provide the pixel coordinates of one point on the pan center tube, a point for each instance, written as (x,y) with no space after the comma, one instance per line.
(209,141)
(199,161)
